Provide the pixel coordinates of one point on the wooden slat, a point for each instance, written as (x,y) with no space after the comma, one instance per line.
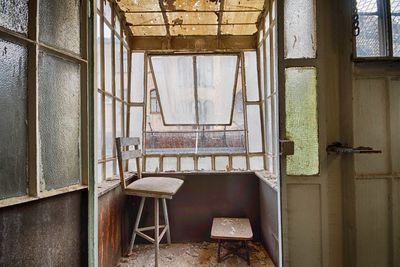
(131,154)
(130,141)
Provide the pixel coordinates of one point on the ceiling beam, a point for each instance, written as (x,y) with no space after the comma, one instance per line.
(191,11)
(220,14)
(165,17)
(192,24)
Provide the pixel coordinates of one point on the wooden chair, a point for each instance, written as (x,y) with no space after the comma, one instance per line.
(154,187)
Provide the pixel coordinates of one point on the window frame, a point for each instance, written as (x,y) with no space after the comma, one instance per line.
(154,98)
(384,14)
(34,45)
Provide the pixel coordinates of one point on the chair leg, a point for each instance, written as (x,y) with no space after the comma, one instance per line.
(136,224)
(164,202)
(156,231)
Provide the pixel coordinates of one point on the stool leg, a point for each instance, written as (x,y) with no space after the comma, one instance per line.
(219,251)
(164,203)
(136,224)
(247,252)
(156,231)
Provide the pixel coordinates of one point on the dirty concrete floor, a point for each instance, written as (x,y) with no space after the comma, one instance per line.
(193,254)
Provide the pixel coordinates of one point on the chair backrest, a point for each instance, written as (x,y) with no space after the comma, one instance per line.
(127,154)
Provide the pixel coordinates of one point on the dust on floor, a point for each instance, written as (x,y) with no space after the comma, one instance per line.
(193,254)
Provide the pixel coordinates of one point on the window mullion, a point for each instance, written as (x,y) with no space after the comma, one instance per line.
(383,28)
(388,19)
(196,100)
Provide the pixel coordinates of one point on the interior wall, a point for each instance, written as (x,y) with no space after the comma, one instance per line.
(47,232)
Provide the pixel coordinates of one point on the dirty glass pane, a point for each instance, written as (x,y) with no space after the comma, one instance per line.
(221,163)
(125,62)
(59,24)
(215,88)
(117,67)
(100,173)
(152,164)
(256,163)
(262,72)
(250,63)
(187,164)
(107,59)
(175,82)
(109,126)
(107,10)
(137,82)
(170,164)
(301,121)
(14,15)
(254,128)
(98,56)
(300,29)
(136,118)
(118,119)
(204,164)
(369,42)
(13,129)
(59,97)
(395,6)
(239,163)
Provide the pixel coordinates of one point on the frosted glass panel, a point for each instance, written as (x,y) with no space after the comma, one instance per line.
(221,163)
(250,62)
(300,29)
(107,59)
(215,88)
(254,128)
(187,164)
(239,163)
(256,163)
(204,164)
(14,15)
(99,126)
(136,126)
(13,129)
(395,6)
(170,164)
(59,23)
(175,82)
(109,126)
(59,122)
(126,74)
(98,55)
(109,169)
(118,118)
(100,173)
(301,121)
(152,164)
(137,83)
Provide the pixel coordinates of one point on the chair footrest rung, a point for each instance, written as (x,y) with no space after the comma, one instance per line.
(150,239)
(150,228)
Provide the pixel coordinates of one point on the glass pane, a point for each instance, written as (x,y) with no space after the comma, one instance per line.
(256,163)
(13,130)
(152,164)
(109,126)
(204,164)
(369,42)
(262,72)
(301,121)
(215,88)
(109,169)
(300,29)
(99,125)
(132,165)
(395,5)
(117,67)
(107,10)
(136,122)
(175,82)
(239,163)
(59,24)
(170,164)
(59,122)
(137,86)
(254,128)
(250,63)
(98,49)
(125,62)
(107,59)
(118,118)
(14,15)
(221,163)
(100,173)
(187,164)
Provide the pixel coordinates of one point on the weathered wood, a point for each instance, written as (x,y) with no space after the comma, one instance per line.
(132,154)
(130,141)
(231,229)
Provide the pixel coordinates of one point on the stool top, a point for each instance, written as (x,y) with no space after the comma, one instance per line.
(160,187)
(231,229)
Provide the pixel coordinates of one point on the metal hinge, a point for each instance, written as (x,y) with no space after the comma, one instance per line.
(286,147)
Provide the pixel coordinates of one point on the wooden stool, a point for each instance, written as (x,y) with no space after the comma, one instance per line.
(230,230)
(155,187)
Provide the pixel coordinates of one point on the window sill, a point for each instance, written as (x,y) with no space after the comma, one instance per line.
(268,178)
(168,173)
(386,60)
(23,199)
(111,183)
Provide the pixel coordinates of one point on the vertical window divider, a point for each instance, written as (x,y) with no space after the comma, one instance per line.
(128,99)
(244,92)
(33,137)
(103,95)
(113,63)
(144,110)
(388,19)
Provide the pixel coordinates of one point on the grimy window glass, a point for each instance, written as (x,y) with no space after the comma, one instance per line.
(14,15)
(59,104)
(395,10)
(13,129)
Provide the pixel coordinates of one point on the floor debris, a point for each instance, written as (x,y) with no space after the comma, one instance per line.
(193,254)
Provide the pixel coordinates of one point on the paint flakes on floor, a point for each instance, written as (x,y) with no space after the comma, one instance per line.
(193,254)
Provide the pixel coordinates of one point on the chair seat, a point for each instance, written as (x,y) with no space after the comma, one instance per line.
(160,187)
